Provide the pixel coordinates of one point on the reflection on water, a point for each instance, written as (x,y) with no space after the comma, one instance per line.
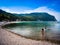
(33,29)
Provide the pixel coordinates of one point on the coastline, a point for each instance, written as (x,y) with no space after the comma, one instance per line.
(9,38)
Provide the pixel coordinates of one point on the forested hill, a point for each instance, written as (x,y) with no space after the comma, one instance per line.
(5,16)
(36,17)
(26,17)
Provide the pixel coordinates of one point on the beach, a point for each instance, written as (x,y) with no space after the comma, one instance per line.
(8,38)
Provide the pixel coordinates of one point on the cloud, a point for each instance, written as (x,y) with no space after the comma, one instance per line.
(48,10)
(20,10)
(17,10)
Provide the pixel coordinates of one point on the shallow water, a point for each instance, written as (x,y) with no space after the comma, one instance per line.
(32,29)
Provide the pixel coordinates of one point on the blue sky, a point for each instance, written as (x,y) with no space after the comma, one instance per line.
(28,6)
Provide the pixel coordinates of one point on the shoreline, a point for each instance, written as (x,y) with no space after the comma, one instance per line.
(47,40)
(18,39)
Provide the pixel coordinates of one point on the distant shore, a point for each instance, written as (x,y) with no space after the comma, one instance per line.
(9,38)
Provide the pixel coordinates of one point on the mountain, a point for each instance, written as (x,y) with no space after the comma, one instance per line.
(26,17)
(5,16)
(36,17)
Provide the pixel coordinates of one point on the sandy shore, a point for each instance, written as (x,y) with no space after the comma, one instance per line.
(8,38)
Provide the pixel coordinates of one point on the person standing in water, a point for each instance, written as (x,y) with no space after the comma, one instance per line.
(43,33)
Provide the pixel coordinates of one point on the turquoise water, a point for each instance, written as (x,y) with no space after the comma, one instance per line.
(32,29)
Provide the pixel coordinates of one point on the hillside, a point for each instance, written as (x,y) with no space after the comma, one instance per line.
(36,17)
(5,16)
(26,17)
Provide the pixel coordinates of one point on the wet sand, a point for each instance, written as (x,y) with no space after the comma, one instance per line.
(8,38)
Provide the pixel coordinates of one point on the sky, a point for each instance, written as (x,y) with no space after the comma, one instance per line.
(29,6)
